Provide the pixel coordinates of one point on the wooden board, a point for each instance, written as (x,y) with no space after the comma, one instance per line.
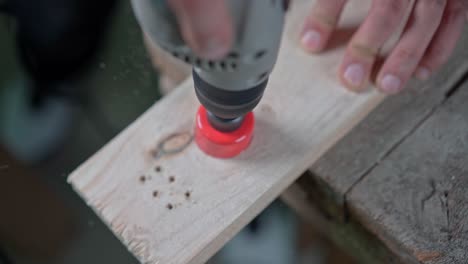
(128,182)
(416,199)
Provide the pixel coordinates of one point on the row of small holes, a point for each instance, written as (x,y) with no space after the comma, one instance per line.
(211,64)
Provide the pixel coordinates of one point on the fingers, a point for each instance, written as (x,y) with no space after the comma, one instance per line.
(382,21)
(403,60)
(444,41)
(320,24)
(206,25)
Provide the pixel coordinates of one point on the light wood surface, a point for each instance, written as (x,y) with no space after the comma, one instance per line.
(303,113)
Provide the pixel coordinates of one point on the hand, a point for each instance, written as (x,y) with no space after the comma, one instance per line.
(427,42)
(206,25)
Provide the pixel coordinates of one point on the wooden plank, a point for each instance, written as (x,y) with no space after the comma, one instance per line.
(351,236)
(416,199)
(367,144)
(303,113)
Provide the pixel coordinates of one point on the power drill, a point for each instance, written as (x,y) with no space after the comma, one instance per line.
(229,88)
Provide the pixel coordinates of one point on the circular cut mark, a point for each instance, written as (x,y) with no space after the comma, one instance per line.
(173,144)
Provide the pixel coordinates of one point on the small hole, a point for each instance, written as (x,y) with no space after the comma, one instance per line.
(187,59)
(158,169)
(175,54)
(187,194)
(260,54)
(169,206)
(155,194)
(142,178)
(172,179)
(198,62)
(233,65)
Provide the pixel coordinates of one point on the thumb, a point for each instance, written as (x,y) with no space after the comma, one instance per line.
(206,26)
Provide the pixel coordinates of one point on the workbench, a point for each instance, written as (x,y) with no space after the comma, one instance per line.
(394,190)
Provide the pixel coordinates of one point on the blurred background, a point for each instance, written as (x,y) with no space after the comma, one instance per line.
(59,104)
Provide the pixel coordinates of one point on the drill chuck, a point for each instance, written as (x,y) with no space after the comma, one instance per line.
(227,104)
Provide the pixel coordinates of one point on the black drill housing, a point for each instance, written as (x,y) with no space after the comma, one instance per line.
(227,108)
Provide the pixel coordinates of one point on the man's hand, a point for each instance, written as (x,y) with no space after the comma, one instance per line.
(206,26)
(428,40)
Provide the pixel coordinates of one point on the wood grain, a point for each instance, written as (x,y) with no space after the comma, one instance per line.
(416,199)
(303,113)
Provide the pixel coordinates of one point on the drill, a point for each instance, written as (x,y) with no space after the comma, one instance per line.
(230,88)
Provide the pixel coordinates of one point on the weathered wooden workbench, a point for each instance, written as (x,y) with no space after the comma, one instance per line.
(395,189)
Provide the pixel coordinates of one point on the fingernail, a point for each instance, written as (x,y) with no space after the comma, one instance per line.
(422,73)
(213,48)
(354,75)
(390,84)
(311,40)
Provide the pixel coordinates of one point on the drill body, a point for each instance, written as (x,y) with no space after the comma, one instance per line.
(231,87)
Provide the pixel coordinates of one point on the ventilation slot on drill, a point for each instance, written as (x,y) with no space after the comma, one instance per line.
(211,65)
(233,55)
(222,65)
(262,76)
(260,54)
(233,66)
